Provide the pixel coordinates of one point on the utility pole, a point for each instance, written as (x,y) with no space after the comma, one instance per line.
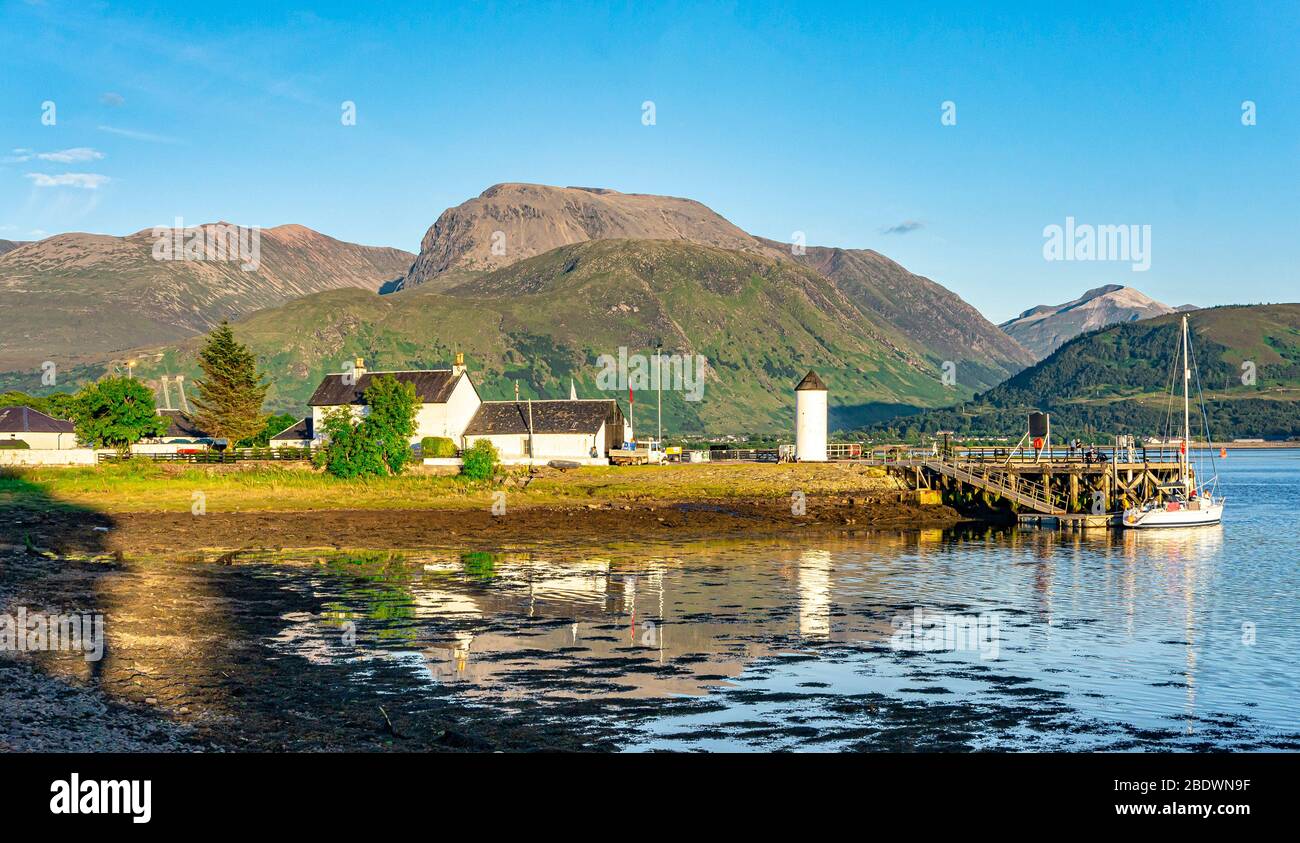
(659,391)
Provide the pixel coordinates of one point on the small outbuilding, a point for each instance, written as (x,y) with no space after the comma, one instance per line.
(181,429)
(297,435)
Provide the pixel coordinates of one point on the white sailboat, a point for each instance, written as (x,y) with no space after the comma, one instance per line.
(1185,505)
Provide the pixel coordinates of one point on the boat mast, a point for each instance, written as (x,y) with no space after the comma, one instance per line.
(1187,445)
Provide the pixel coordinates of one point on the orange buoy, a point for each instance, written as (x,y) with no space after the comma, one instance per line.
(1223,452)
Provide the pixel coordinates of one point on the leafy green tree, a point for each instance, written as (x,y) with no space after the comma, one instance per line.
(391,419)
(349,450)
(117,413)
(437,446)
(480,460)
(274,424)
(60,405)
(231,391)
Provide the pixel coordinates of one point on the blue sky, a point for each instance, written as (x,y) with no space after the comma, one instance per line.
(819,118)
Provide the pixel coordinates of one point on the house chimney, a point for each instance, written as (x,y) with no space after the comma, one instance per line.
(458,368)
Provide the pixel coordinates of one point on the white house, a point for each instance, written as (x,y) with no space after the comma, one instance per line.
(450,407)
(573,429)
(39,431)
(448,399)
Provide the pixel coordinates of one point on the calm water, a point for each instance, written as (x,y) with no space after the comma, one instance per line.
(1187,638)
(1100,640)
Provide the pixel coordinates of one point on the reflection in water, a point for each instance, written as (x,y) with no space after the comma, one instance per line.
(1106,640)
(815,594)
(1104,636)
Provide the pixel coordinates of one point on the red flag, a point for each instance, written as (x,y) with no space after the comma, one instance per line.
(630,399)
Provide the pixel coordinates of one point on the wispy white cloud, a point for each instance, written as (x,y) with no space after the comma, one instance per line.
(904,227)
(60,156)
(85,181)
(137,135)
(113,99)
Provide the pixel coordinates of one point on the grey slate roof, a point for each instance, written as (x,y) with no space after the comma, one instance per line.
(181,426)
(503,417)
(811,381)
(27,420)
(432,386)
(301,429)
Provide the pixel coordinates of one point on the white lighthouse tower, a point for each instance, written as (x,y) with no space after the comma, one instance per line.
(810,419)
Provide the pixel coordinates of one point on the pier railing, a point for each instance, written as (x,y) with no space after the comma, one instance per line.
(902,454)
(1020,490)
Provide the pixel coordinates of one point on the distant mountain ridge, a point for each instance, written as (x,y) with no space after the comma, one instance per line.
(81,297)
(1117,379)
(1044,328)
(10,245)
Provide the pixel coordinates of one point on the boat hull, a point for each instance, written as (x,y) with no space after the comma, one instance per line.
(1155,519)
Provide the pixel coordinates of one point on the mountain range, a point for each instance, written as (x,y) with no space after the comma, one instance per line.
(1044,328)
(82,298)
(533,284)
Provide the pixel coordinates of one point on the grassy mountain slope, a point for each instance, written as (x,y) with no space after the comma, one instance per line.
(760,323)
(1117,380)
(80,297)
(932,316)
(513,222)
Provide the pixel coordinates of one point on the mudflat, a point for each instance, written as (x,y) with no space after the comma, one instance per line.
(66,531)
(161,509)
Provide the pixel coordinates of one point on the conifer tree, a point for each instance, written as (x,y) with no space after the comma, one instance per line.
(231,391)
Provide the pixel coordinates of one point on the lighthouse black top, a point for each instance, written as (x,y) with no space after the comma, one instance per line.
(810,381)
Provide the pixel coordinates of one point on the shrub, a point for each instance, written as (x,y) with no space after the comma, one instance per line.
(350,449)
(391,419)
(480,460)
(437,446)
(379,444)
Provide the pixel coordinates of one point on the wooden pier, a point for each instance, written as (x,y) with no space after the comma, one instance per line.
(1068,487)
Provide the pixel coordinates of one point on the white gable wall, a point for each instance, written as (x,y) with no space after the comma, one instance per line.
(449,419)
(44,441)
